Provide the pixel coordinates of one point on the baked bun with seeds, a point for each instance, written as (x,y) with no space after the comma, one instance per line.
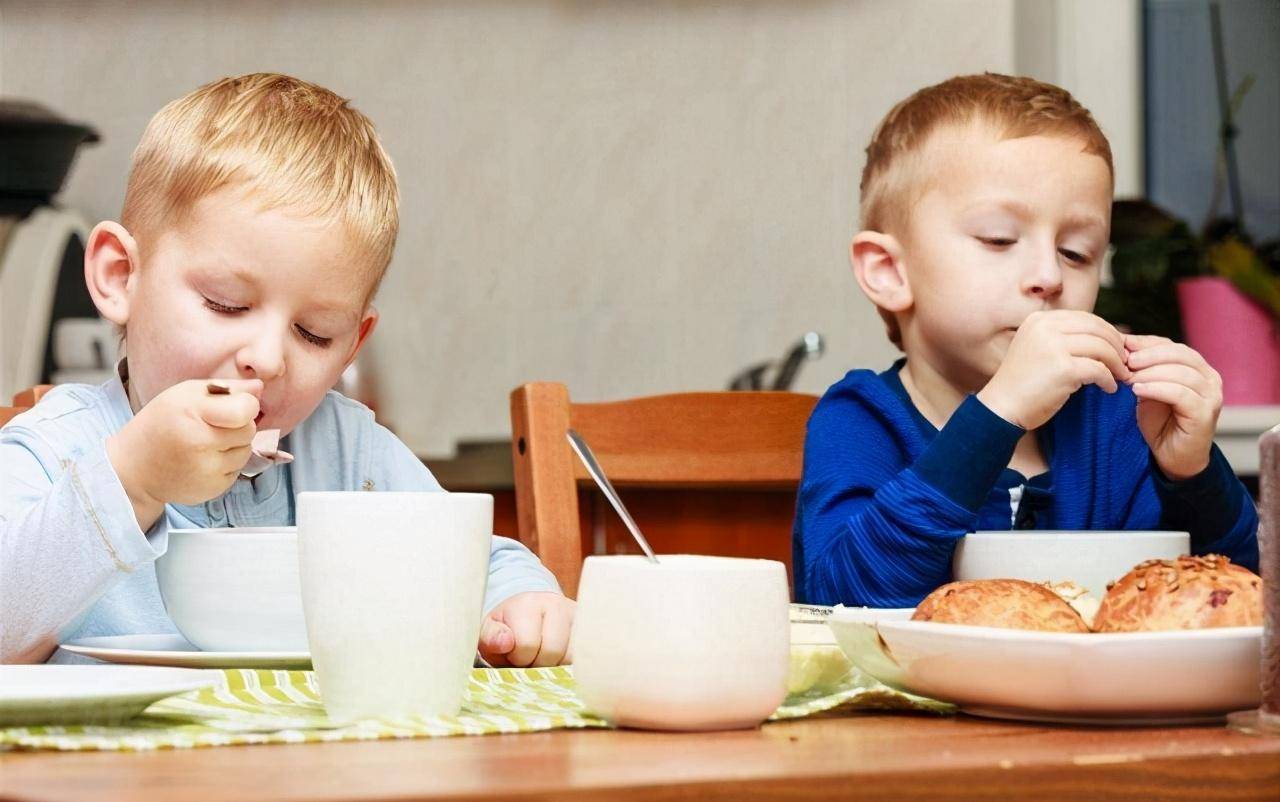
(1186,593)
(1005,603)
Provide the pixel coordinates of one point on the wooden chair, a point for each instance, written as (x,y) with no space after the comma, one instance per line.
(23,401)
(709,473)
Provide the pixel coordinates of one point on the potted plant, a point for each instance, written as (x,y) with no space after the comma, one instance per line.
(1217,292)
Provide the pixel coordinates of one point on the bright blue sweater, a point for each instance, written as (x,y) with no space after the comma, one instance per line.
(885,496)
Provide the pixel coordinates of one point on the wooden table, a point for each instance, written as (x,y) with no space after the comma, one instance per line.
(862,756)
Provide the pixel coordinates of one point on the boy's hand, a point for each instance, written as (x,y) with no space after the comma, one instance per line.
(1052,355)
(186,445)
(1179,398)
(528,629)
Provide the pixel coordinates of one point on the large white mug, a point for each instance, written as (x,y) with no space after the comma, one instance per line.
(691,643)
(393,589)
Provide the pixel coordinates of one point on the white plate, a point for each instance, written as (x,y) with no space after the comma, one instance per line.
(174,650)
(58,695)
(1113,678)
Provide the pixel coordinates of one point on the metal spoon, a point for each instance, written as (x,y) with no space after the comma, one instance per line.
(583,451)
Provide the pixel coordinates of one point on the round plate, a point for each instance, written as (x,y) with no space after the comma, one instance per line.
(174,650)
(1101,678)
(42,695)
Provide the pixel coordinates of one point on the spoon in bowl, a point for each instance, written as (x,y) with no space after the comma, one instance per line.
(583,451)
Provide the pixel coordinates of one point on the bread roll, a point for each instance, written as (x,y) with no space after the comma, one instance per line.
(1005,603)
(1186,593)
(1077,597)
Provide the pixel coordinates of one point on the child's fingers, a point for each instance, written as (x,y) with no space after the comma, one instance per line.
(1086,323)
(228,439)
(232,411)
(526,625)
(1099,349)
(1090,371)
(1185,401)
(233,460)
(1137,342)
(1112,335)
(556,626)
(496,641)
(1169,352)
(1178,374)
(236,457)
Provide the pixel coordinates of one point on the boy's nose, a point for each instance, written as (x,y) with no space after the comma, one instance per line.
(1044,278)
(262,359)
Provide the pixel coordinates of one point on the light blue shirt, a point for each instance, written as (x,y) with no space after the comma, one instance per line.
(73,561)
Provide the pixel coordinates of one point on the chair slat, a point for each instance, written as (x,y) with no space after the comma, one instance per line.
(24,400)
(712,441)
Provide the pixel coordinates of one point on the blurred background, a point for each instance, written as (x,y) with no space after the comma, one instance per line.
(645,197)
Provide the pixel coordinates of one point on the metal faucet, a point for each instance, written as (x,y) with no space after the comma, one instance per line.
(808,347)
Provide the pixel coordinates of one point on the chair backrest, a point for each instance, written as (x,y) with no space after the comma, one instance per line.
(727,465)
(23,401)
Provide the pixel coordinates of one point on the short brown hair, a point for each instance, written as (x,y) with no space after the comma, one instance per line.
(1013,106)
(289,142)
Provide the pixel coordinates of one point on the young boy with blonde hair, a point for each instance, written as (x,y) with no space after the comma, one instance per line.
(986,207)
(260,215)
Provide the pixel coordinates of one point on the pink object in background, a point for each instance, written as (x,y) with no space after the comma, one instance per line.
(1237,337)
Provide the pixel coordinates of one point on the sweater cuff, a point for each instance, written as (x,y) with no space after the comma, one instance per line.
(966,458)
(1213,494)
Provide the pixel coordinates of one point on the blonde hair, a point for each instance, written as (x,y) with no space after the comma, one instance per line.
(894,177)
(287,141)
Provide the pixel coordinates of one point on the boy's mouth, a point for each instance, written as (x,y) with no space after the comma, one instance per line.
(258,420)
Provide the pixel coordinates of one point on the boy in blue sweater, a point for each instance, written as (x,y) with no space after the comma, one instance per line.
(986,207)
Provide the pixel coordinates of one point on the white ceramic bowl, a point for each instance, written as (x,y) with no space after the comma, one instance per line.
(692,643)
(1090,559)
(234,589)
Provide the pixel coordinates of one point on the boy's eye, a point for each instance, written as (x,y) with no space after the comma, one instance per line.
(997,242)
(314,339)
(223,308)
(1073,256)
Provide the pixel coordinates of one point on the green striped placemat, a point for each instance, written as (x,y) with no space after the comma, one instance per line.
(260,707)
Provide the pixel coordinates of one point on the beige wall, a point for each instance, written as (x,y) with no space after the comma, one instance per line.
(631,197)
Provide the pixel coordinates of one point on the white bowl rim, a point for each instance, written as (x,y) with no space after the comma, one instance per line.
(1100,534)
(1007,634)
(686,562)
(855,609)
(238,531)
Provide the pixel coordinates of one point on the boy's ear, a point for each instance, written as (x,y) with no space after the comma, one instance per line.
(111,265)
(367,324)
(881,270)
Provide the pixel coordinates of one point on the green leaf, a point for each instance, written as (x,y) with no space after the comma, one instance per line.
(1242,266)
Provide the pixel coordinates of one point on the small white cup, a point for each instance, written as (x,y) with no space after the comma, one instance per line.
(692,643)
(393,588)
